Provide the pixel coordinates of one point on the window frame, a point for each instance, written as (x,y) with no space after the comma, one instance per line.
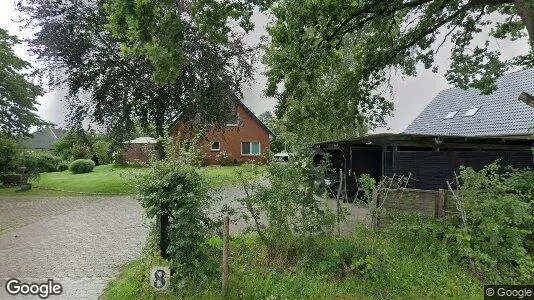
(451,114)
(213,149)
(250,148)
(472,111)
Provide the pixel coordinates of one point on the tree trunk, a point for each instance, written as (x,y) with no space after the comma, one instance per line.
(525,8)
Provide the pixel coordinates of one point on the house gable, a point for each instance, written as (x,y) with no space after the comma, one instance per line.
(249,129)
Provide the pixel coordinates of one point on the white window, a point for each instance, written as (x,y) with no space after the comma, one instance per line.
(250,148)
(234,121)
(471,112)
(451,114)
(215,146)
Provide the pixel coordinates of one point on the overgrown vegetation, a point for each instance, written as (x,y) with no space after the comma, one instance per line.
(177,190)
(292,252)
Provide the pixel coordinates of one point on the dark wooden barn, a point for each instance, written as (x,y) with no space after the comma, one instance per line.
(431,160)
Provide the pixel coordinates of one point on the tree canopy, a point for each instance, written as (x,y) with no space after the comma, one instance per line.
(17,94)
(337,55)
(119,85)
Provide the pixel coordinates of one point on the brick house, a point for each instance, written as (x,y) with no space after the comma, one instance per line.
(246,139)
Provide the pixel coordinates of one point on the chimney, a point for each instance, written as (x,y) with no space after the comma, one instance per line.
(527,98)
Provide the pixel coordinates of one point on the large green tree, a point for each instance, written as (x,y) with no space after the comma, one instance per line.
(119,86)
(338,55)
(17,94)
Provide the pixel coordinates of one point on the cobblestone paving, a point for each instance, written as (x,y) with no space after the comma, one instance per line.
(80,242)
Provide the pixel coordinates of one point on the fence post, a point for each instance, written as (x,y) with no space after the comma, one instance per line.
(440,204)
(226,245)
(338,209)
(373,209)
(163,227)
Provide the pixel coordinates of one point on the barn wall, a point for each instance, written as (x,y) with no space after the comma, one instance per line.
(431,169)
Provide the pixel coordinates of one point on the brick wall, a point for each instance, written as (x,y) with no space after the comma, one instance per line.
(138,153)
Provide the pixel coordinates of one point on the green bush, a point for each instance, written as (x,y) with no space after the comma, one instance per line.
(491,232)
(289,204)
(179,191)
(102,150)
(10,179)
(224,159)
(8,153)
(80,151)
(499,218)
(118,159)
(62,166)
(38,162)
(81,166)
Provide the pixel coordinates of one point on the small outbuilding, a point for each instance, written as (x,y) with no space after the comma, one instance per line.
(139,150)
(429,160)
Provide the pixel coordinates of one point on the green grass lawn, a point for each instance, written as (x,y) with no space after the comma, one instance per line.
(108,179)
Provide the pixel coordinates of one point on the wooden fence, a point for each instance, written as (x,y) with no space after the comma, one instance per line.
(430,203)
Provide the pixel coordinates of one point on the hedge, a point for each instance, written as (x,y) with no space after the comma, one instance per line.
(82,166)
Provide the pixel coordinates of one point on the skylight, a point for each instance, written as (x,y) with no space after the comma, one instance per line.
(451,114)
(471,112)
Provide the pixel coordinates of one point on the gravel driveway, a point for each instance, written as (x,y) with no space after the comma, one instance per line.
(80,242)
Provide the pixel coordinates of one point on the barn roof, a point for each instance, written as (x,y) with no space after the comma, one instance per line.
(518,142)
(468,113)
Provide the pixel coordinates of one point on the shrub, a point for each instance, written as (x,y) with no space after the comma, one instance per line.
(62,166)
(10,179)
(81,166)
(102,151)
(80,151)
(289,204)
(224,159)
(8,153)
(498,217)
(38,162)
(175,189)
(118,159)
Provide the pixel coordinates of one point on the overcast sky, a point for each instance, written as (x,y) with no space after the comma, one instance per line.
(411,94)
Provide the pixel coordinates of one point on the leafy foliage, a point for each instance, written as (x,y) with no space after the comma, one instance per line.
(79,151)
(102,150)
(17,95)
(38,162)
(62,166)
(8,152)
(115,82)
(329,62)
(500,218)
(224,159)
(178,190)
(80,166)
(289,204)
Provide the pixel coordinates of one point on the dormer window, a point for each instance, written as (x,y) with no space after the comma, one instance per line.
(451,114)
(471,112)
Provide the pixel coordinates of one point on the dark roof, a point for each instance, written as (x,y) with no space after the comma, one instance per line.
(500,113)
(44,138)
(519,142)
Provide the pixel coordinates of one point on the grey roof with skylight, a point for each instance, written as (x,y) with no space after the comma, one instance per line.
(468,113)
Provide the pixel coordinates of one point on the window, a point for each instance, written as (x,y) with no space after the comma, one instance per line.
(472,111)
(215,146)
(451,114)
(234,121)
(250,148)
